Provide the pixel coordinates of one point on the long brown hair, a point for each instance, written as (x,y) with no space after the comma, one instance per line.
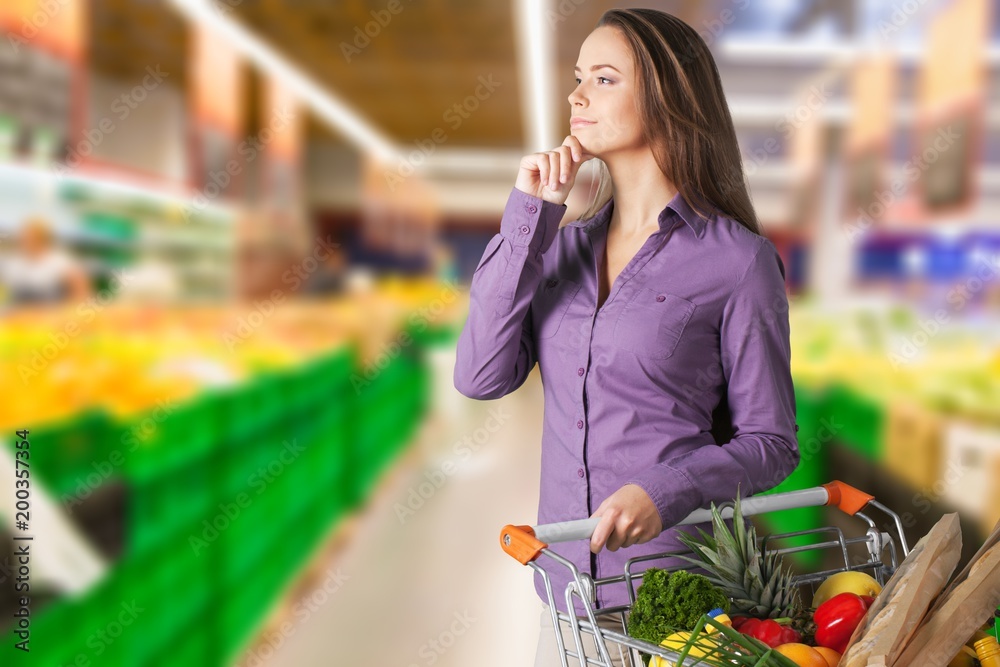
(684,114)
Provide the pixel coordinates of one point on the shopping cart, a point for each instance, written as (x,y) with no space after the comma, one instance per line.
(875,552)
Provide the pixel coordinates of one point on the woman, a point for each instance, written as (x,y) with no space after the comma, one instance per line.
(656,318)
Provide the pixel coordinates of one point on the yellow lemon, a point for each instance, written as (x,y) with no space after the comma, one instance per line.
(678,641)
(846,582)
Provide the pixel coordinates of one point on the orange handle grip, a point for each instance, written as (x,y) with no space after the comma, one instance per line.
(521,543)
(846,498)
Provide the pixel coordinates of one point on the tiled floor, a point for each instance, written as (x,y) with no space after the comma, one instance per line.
(432,586)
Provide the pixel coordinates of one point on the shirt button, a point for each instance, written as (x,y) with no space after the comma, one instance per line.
(579,472)
(525,229)
(579,424)
(660,298)
(532,208)
(551,282)
(579,371)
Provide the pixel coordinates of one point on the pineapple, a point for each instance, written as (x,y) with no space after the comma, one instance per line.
(758,585)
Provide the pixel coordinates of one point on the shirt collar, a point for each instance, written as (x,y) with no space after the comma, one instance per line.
(677,205)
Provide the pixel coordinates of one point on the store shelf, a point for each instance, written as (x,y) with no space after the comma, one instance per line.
(112,225)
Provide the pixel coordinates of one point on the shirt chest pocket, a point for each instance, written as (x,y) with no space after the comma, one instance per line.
(652,323)
(550,305)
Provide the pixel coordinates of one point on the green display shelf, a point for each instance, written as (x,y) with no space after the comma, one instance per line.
(63,453)
(811,406)
(201,605)
(858,421)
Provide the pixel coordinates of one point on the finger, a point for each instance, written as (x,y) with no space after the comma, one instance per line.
(553,170)
(543,168)
(614,541)
(631,534)
(619,534)
(566,163)
(624,538)
(601,533)
(580,154)
(573,145)
(632,539)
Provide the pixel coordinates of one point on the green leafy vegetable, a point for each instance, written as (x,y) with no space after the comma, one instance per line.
(671,601)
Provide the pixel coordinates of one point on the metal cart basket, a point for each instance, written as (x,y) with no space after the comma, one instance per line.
(871,547)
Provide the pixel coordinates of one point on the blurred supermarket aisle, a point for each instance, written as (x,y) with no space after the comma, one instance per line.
(431,586)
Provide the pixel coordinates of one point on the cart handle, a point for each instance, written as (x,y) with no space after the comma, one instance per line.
(524,543)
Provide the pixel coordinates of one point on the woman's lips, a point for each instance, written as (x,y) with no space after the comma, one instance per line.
(580,122)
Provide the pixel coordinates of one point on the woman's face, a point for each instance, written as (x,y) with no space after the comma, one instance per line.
(605,95)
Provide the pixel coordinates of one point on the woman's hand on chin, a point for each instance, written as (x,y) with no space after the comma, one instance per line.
(550,175)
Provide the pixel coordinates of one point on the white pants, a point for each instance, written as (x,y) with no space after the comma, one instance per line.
(547,654)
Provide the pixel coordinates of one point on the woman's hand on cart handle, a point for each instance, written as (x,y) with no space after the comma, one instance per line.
(526,542)
(628,516)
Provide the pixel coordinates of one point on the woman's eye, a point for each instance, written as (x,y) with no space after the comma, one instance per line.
(598,78)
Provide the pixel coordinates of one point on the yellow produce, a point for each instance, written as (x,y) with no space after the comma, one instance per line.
(802,655)
(858,583)
(832,657)
(676,643)
(125,359)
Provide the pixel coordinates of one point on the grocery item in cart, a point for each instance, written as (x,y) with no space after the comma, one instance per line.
(723,645)
(669,601)
(897,610)
(957,615)
(846,582)
(759,585)
(988,652)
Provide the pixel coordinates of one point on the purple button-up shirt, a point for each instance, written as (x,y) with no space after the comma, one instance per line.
(697,318)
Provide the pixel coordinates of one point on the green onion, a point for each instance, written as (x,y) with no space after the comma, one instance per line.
(734,650)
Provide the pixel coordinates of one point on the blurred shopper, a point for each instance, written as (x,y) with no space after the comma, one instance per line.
(659,320)
(40,272)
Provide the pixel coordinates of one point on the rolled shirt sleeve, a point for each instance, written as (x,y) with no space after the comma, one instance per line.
(495,349)
(756,362)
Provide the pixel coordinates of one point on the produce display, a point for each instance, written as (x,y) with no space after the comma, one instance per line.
(125,359)
(884,353)
(921,405)
(176,411)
